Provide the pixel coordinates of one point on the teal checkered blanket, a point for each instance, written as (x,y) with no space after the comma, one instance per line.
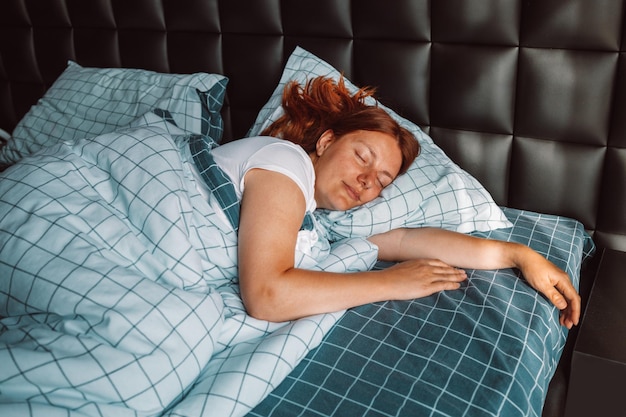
(487,349)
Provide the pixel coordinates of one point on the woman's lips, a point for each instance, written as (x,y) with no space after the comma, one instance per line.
(352,193)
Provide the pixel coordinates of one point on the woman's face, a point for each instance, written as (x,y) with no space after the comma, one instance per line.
(353,169)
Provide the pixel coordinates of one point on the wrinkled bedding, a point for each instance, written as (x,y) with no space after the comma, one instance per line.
(119,292)
(119,288)
(487,349)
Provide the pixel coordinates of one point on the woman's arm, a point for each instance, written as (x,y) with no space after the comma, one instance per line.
(273,289)
(470,252)
(272,210)
(463,251)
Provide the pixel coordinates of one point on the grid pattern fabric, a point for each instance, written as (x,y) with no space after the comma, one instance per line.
(434,192)
(488,349)
(119,293)
(86,102)
(218,183)
(528,96)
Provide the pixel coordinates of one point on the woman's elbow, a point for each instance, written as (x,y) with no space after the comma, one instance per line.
(262,303)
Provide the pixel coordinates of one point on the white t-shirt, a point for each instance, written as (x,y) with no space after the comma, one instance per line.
(238,157)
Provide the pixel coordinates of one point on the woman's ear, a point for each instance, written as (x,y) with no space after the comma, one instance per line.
(327,138)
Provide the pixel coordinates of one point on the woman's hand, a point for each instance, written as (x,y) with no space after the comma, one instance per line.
(552,282)
(422,277)
(470,252)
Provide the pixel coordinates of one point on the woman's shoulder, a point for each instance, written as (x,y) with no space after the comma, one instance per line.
(262,141)
(264,145)
(253,143)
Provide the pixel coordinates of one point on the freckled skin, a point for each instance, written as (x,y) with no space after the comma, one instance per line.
(354,169)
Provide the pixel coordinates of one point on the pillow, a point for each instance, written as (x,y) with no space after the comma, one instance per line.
(86,102)
(435,192)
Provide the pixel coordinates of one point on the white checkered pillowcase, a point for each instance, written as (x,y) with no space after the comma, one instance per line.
(435,192)
(86,102)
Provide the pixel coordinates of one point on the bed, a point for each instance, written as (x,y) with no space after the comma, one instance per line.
(118,278)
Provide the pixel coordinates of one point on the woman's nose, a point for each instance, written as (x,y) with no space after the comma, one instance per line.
(366,179)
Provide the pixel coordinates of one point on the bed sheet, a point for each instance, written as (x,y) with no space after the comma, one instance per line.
(488,349)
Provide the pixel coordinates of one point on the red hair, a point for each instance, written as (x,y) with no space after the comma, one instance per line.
(323,104)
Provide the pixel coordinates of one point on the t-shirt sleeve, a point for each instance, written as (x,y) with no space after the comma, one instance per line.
(289,160)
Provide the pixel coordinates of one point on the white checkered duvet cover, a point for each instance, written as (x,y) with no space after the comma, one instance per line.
(119,293)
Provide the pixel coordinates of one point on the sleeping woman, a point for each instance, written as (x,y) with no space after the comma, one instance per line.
(330,150)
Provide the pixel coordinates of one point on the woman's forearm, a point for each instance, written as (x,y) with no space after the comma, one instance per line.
(298,293)
(454,248)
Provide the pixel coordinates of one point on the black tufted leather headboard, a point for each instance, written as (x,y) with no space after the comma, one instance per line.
(529,96)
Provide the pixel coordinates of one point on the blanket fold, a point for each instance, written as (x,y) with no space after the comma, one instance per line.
(119,288)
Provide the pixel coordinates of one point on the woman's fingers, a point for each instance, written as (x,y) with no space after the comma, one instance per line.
(561,292)
(570,314)
(423,277)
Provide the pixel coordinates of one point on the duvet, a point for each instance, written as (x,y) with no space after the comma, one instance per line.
(118,288)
